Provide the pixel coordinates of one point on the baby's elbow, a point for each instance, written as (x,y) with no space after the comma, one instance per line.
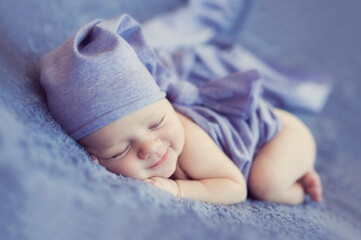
(241,196)
(243,193)
(240,193)
(238,196)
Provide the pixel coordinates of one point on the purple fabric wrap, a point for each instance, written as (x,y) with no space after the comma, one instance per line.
(226,103)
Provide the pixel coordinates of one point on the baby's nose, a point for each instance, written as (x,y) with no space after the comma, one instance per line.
(148,147)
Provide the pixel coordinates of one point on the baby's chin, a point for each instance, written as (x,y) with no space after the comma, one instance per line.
(166,173)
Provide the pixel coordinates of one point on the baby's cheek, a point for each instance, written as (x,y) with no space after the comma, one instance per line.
(120,168)
(176,134)
(127,170)
(175,126)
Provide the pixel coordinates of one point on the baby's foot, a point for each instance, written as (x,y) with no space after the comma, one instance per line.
(311,183)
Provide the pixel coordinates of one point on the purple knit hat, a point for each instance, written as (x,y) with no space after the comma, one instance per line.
(101,74)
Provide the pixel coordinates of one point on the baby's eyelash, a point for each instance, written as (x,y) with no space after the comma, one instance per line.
(159,124)
(122,154)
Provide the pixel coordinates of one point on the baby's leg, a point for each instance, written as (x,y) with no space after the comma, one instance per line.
(283,171)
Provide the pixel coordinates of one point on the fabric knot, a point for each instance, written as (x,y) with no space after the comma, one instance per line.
(235,95)
(184,93)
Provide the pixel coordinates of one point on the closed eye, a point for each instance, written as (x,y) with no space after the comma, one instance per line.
(158,124)
(121,154)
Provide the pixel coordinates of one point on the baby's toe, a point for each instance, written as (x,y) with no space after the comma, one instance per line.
(312,185)
(311,179)
(315,193)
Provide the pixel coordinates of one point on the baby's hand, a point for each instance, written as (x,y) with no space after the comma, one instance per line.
(165,184)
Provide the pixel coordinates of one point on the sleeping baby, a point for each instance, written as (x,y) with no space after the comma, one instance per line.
(187,121)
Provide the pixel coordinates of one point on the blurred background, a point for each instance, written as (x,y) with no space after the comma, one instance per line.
(47,184)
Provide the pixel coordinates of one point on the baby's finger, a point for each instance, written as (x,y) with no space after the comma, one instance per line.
(154,183)
(148,181)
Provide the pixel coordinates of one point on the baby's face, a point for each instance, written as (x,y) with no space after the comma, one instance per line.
(141,145)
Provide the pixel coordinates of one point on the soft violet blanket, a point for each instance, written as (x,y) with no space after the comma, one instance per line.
(49,188)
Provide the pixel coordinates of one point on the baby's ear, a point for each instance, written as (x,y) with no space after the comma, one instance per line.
(94,158)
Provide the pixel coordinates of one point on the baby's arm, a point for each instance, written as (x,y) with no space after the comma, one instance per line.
(215,178)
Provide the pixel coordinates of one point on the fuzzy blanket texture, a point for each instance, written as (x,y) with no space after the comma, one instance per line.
(49,188)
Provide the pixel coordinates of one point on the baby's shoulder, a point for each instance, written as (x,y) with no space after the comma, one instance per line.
(187,123)
(191,142)
(199,148)
(192,131)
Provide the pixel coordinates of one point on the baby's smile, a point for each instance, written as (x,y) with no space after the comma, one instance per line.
(162,160)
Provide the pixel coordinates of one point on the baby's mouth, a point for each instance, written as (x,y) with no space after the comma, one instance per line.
(162,160)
